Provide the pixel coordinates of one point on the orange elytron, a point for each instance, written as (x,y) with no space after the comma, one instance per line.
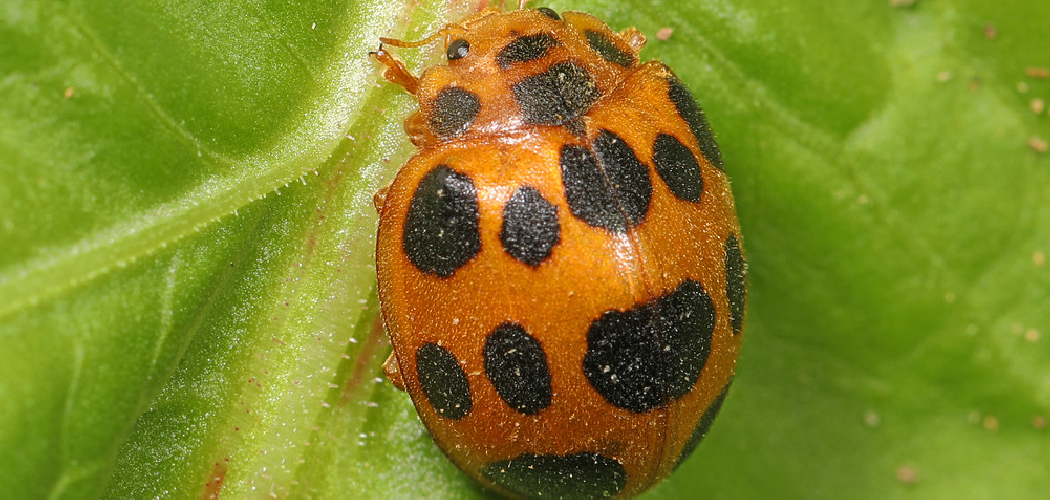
(560,266)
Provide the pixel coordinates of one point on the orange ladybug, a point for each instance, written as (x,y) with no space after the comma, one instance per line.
(560,265)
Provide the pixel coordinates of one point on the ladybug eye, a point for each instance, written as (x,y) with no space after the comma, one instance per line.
(547,11)
(458,49)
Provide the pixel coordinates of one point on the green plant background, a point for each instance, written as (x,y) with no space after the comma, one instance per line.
(186,232)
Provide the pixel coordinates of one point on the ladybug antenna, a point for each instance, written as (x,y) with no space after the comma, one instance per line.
(449,29)
(411,45)
(501,6)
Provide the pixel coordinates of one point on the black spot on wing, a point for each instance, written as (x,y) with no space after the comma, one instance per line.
(640,358)
(516,365)
(530,226)
(686,319)
(628,176)
(607,187)
(589,195)
(441,231)
(443,381)
(688,109)
(703,426)
(678,168)
(736,282)
(579,476)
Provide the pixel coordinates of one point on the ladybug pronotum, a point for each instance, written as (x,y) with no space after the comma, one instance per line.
(560,265)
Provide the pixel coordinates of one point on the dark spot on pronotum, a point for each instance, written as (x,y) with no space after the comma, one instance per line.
(643,357)
(564,92)
(443,381)
(453,110)
(441,229)
(530,226)
(678,168)
(525,48)
(516,365)
(579,476)
(606,47)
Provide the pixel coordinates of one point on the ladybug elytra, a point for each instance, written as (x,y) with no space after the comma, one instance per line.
(560,265)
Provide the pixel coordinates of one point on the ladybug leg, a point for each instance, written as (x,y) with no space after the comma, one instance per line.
(396,71)
(634,38)
(379,198)
(393,373)
(390,368)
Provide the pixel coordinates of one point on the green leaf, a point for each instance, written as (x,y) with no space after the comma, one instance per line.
(187,289)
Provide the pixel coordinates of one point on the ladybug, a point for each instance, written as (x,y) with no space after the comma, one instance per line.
(560,266)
